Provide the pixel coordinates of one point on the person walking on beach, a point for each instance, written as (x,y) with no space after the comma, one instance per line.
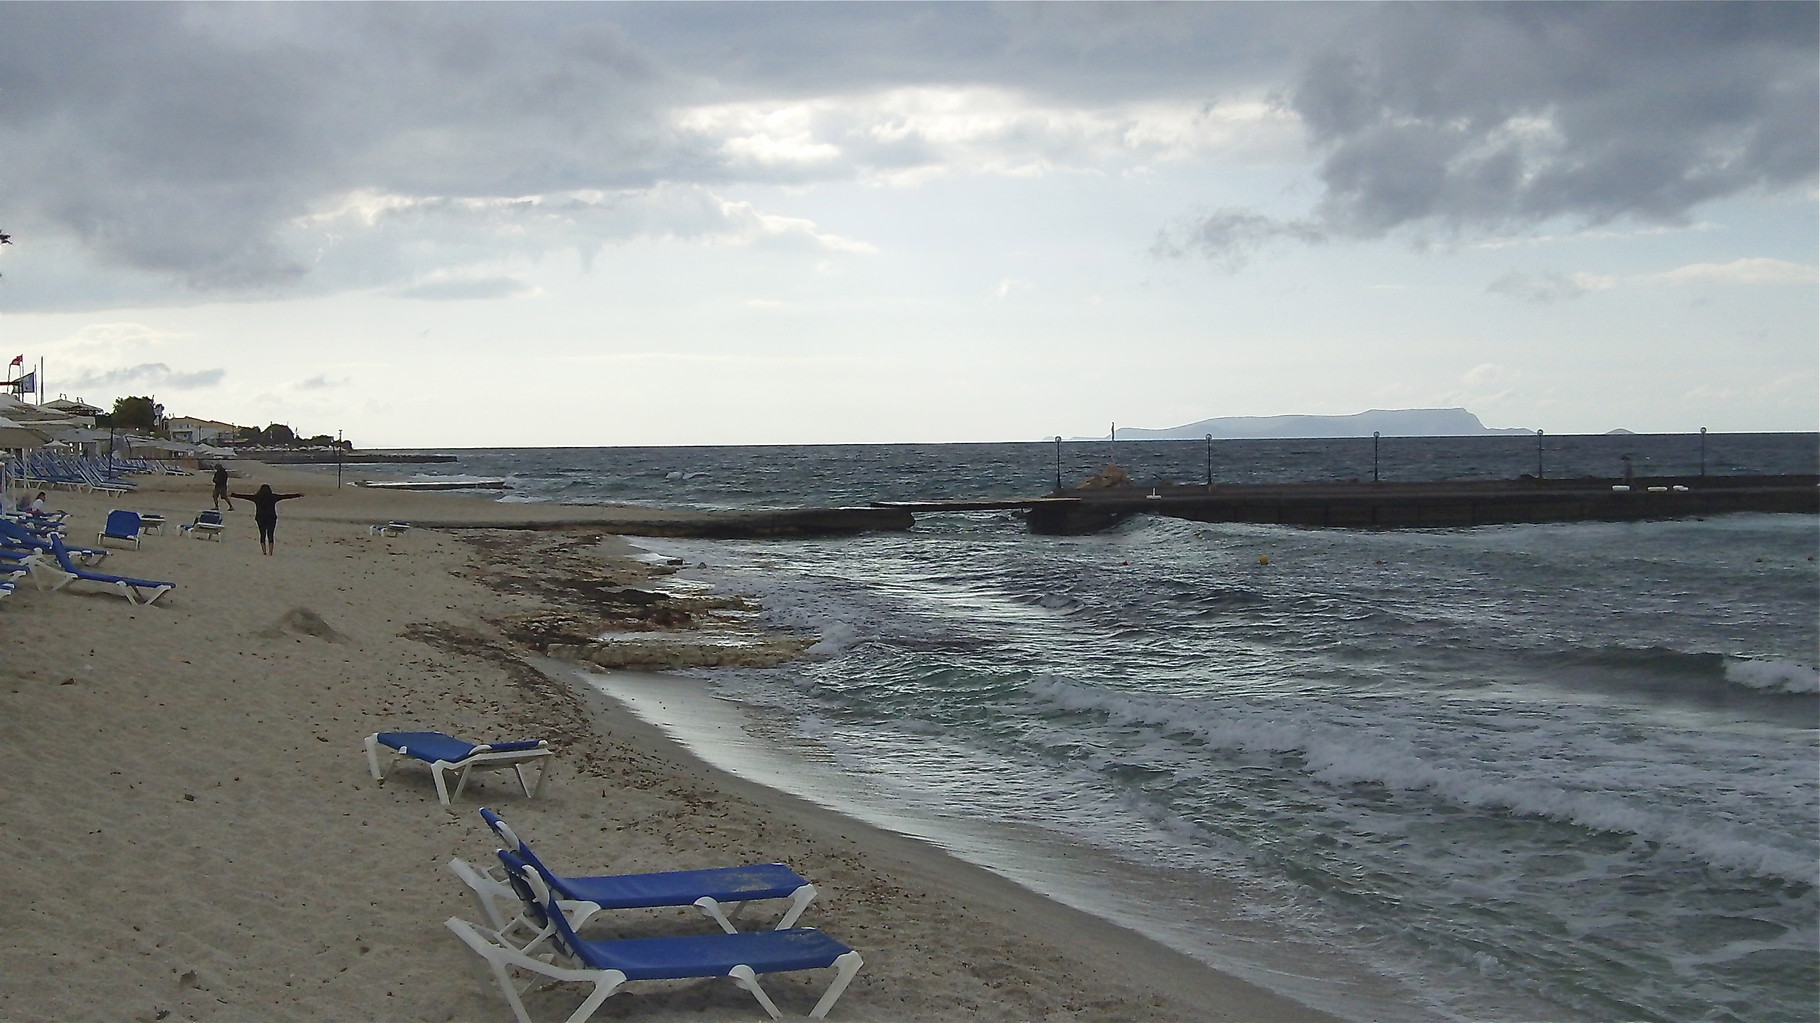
(265,513)
(221,487)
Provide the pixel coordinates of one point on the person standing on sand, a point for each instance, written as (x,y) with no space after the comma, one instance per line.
(221,487)
(265,513)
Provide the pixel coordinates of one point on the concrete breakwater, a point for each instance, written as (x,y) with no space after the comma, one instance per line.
(1356,505)
(1416,505)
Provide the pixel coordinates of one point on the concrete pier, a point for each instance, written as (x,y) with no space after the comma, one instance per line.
(1361,505)
(1364,505)
(1417,505)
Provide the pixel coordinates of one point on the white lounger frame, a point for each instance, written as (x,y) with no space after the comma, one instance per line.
(501,955)
(490,892)
(482,759)
(48,575)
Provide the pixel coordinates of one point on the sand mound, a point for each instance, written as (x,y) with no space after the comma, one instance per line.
(301,621)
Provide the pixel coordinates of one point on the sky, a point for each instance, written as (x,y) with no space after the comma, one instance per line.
(475,225)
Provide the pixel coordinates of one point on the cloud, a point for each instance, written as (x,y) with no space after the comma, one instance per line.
(1743,271)
(163,153)
(1548,286)
(1232,238)
(1457,120)
(1555,286)
(147,376)
(467,289)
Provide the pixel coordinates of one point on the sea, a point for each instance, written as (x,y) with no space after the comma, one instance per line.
(1565,772)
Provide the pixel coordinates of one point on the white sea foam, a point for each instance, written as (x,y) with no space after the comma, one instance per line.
(1626,790)
(1773,676)
(1450,746)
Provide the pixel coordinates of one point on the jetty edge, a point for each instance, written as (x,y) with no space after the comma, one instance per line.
(1366,505)
(1335,504)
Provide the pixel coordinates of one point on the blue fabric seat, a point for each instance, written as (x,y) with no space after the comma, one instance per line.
(121,525)
(718,892)
(609,964)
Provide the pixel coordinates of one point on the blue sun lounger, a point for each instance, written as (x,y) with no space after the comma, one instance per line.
(446,754)
(121,525)
(23,536)
(709,890)
(63,571)
(610,964)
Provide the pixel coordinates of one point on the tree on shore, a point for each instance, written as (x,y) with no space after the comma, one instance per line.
(138,413)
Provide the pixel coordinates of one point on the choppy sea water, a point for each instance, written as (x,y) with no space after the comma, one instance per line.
(1564,771)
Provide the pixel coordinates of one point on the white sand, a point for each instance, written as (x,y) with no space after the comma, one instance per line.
(190,832)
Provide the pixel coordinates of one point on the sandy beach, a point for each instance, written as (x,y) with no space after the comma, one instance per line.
(191,832)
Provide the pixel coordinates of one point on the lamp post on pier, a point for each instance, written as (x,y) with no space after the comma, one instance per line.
(1374,457)
(1702,452)
(1210,461)
(1538,456)
(1058,463)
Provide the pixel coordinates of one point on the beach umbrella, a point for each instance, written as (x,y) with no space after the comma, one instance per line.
(18,435)
(136,443)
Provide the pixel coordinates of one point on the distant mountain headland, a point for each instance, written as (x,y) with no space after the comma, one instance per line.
(1409,422)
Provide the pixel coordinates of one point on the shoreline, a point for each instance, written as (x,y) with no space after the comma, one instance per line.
(207,749)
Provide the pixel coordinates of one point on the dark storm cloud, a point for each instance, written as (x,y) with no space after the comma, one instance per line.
(185,140)
(188,141)
(1457,119)
(193,143)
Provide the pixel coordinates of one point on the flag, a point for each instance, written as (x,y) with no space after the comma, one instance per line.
(27,384)
(18,360)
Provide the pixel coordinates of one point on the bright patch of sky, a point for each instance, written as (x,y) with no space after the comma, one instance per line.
(574,224)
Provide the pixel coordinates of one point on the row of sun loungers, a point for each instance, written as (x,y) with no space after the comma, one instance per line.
(534,916)
(53,471)
(36,544)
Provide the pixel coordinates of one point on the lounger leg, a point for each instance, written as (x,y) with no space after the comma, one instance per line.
(710,908)
(543,774)
(844,969)
(745,978)
(373,758)
(442,787)
(46,577)
(799,901)
(603,989)
(485,890)
(501,974)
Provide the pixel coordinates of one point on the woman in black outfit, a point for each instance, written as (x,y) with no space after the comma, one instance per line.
(265,513)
